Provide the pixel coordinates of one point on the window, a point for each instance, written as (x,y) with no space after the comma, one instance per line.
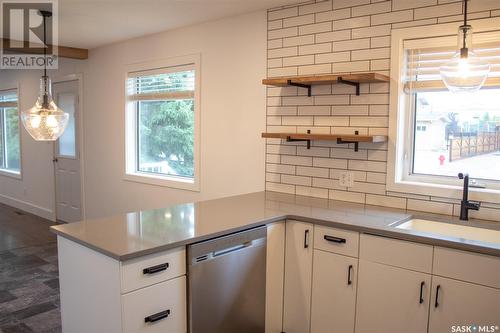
(162,126)
(434,133)
(10,160)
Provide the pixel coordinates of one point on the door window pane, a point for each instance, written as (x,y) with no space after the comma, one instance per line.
(67,141)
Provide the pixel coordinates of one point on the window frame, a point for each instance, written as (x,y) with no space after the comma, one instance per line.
(8,172)
(401,116)
(131,151)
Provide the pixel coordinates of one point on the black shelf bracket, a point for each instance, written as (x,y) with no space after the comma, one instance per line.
(351,83)
(289,139)
(307,86)
(356,143)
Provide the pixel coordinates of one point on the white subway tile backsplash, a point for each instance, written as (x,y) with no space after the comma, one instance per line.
(374,8)
(315,28)
(315,49)
(322,110)
(299,60)
(280,33)
(440,10)
(393,17)
(352,66)
(333,15)
(349,3)
(351,23)
(316,7)
(298,20)
(354,44)
(407,4)
(315,69)
(345,36)
(347,196)
(333,57)
(282,13)
(299,40)
(333,36)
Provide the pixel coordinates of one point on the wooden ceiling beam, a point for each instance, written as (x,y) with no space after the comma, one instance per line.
(63,51)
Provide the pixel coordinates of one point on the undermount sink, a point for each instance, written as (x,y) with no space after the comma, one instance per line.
(452,230)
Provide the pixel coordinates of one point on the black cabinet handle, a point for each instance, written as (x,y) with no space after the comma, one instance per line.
(422,284)
(334,239)
(157,316)
(349,270)
(155,269)
(306,239)
(436,303)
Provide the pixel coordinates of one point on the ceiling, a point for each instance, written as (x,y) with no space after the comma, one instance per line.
(93,23)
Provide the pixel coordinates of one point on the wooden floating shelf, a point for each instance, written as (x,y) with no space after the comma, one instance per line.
(340,138)
(309,81)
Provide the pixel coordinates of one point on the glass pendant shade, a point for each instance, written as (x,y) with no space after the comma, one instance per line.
(465,72)
(45,121)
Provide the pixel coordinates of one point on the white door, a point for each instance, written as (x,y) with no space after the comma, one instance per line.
(333,293)
(391,299)
(298,277)
(463,304)
(67,155)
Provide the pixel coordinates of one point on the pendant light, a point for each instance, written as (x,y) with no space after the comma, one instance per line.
(45,121)
(465,72)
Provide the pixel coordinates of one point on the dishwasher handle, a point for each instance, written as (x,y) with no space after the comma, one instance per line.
(231,249)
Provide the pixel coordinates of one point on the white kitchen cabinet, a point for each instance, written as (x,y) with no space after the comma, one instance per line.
(101,294)
(391,299)
(333,293)
(457,303)
(298,276)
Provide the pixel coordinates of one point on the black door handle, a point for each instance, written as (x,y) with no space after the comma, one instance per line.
(157,316)
(349,270)
(155,269)
(421,292)
(306,239)
(436,303)
(334,239)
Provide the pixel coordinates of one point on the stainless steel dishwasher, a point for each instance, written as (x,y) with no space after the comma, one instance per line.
(227,283)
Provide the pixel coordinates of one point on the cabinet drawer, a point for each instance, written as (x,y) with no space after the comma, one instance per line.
(404,254)
(151,269)
(336,240)
(158,308)
(467,266)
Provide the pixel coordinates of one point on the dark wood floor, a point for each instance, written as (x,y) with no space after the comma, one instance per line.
(29,284)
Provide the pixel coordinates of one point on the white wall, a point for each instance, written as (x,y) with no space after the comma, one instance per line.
(233,62)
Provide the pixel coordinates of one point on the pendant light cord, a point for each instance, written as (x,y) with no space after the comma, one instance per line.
(465,29)
(44,46)
(465,12)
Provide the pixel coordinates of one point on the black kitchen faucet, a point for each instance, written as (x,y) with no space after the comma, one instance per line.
(466,204)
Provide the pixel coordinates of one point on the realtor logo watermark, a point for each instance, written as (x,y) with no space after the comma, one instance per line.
(23,34)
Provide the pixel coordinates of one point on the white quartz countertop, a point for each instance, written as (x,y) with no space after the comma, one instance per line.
(136,234)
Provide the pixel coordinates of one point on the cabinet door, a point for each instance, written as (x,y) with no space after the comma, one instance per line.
(462,304)
(298,275)
(333,293)
(275,272)
(391,299)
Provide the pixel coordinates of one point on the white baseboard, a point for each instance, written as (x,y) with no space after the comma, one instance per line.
(46,213)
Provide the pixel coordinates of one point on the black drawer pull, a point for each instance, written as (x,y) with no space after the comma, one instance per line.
(422,284)
(306,239)
(155,269)
(335,239)
(349,270)
(436,303)
(157,316)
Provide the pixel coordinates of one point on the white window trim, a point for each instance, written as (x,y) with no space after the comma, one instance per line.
(130,172)
(6,172)
(399,117)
